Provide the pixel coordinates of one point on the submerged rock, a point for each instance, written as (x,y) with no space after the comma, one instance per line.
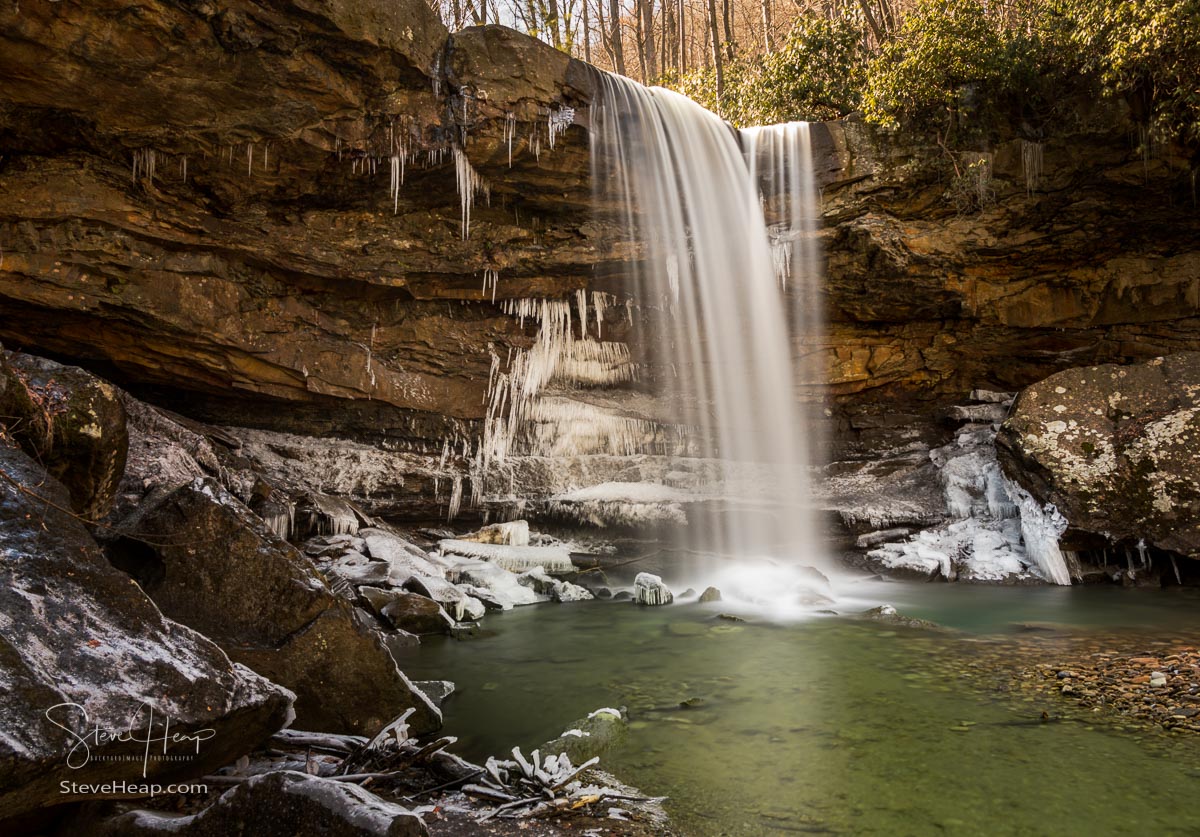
(209,562)
(887,613)
(282,803)
(558,590)
(649,589)
(587,737)
(436,690)
(78,634)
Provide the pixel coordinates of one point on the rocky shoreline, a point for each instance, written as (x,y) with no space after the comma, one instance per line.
(152,595)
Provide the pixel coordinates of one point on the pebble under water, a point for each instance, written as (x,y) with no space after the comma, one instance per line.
(837,725)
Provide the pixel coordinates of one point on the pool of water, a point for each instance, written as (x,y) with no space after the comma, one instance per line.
(832,724)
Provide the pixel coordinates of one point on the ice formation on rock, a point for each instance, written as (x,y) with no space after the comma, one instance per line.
(997,531)
(470,184)
(553,559)
(648,589)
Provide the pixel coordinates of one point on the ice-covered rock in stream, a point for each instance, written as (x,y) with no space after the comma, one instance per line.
(407,611)
(553,559)
(648,589)
(434,587)
(404,558)
(436,690)
(510,533)
(558,590)
(992,536)
(331,546)
(357,569)
(1041,527)
(622,504)
(495,586)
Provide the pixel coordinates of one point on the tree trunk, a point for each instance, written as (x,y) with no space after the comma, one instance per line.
(768,35)
(664,43)
(614,11)
(645,10)
(730,47)
(682,57)
(716,50)
(587,34)
(552,24)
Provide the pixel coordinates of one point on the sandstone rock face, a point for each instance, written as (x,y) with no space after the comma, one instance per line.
(198,205)
(77,634)
(210,563)
(70,421)
(926,301)
(1115,448)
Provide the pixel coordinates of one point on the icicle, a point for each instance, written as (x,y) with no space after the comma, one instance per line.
(1041,527)
(397,174)
(469,185)
(455,499)
(581,301)
(559,121)
(1031,164)
(491,278)
(183,168)
(510,131)
(144,161)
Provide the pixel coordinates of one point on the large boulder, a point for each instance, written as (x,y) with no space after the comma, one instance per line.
(83,648)
(211,563)
(279,804)
(1115,448)
(70,421)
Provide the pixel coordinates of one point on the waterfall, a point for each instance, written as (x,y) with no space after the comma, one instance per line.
(715,308)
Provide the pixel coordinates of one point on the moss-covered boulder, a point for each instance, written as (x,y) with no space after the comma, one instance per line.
(1115,448)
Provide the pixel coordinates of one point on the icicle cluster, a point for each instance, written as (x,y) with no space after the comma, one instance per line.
(560,119)
(470,184)
(491,279)
(144,160)
(1031,164)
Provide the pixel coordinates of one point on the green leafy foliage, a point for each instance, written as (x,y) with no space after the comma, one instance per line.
(969,71)
(1149,52)
(817,73)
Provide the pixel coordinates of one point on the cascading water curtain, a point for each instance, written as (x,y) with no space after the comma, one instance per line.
(712,312)
(780,161)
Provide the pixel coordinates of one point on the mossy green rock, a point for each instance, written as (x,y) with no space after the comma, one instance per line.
(1115,448)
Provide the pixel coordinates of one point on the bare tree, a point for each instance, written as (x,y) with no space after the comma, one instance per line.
(645,12)
(614,16)
(716,48)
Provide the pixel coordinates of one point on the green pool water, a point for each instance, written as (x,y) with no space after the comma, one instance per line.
(833,725)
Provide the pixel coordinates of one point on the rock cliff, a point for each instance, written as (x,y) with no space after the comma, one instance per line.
(308,217)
